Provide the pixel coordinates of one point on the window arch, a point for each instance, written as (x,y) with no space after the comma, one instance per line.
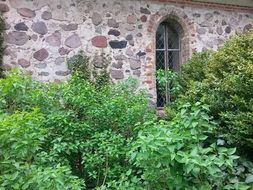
(168,55)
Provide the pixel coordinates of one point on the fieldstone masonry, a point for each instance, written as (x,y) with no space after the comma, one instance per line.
(41,34)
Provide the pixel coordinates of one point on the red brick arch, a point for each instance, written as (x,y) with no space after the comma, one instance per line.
(187,40)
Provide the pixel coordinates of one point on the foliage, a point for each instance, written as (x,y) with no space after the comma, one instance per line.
(87,70)
(93,126)
(21,93)
(170,80)
(21,137)
(127,181)
(228,83)
(224,82)
(2,28)
(178,83)
(87,133)
(178,154)
(194,69)
(59,131)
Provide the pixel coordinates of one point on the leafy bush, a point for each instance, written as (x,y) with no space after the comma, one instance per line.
(21,93)
(194,69)
(168,80)
(89,133)
(53,132)
(22,135)
(224,82)
(228,83)
(87,70)
(179,155)
(93,126)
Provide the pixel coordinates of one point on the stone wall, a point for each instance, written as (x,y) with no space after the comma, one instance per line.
(41,34)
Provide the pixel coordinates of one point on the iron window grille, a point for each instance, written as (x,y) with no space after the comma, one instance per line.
(167,58)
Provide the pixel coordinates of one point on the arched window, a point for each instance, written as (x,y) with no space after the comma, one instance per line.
(168,51)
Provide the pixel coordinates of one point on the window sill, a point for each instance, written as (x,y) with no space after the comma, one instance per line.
(160,111)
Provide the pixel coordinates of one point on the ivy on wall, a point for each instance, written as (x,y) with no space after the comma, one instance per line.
(96,70)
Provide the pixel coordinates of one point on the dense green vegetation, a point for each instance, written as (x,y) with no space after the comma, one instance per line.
(52,132)
(224,80)
(87,133)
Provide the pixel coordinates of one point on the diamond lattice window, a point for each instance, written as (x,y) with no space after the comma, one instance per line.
(167,57)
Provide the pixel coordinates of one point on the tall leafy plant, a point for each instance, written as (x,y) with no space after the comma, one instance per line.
(224,80)
(21,137)
(85,131)
(179,154)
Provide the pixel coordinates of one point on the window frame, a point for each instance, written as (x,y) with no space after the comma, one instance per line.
(168,26)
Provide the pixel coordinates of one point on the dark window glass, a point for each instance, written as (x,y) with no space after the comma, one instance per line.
(173,38)
(160,37)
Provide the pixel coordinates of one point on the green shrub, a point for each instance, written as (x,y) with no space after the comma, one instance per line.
(87,70)
(179,155)
(21,137)
(225,82)
(191,73)
(169,80)
(92,126)
(60,136)
(66,130)
(194,69)
(21,93)
(227,89)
